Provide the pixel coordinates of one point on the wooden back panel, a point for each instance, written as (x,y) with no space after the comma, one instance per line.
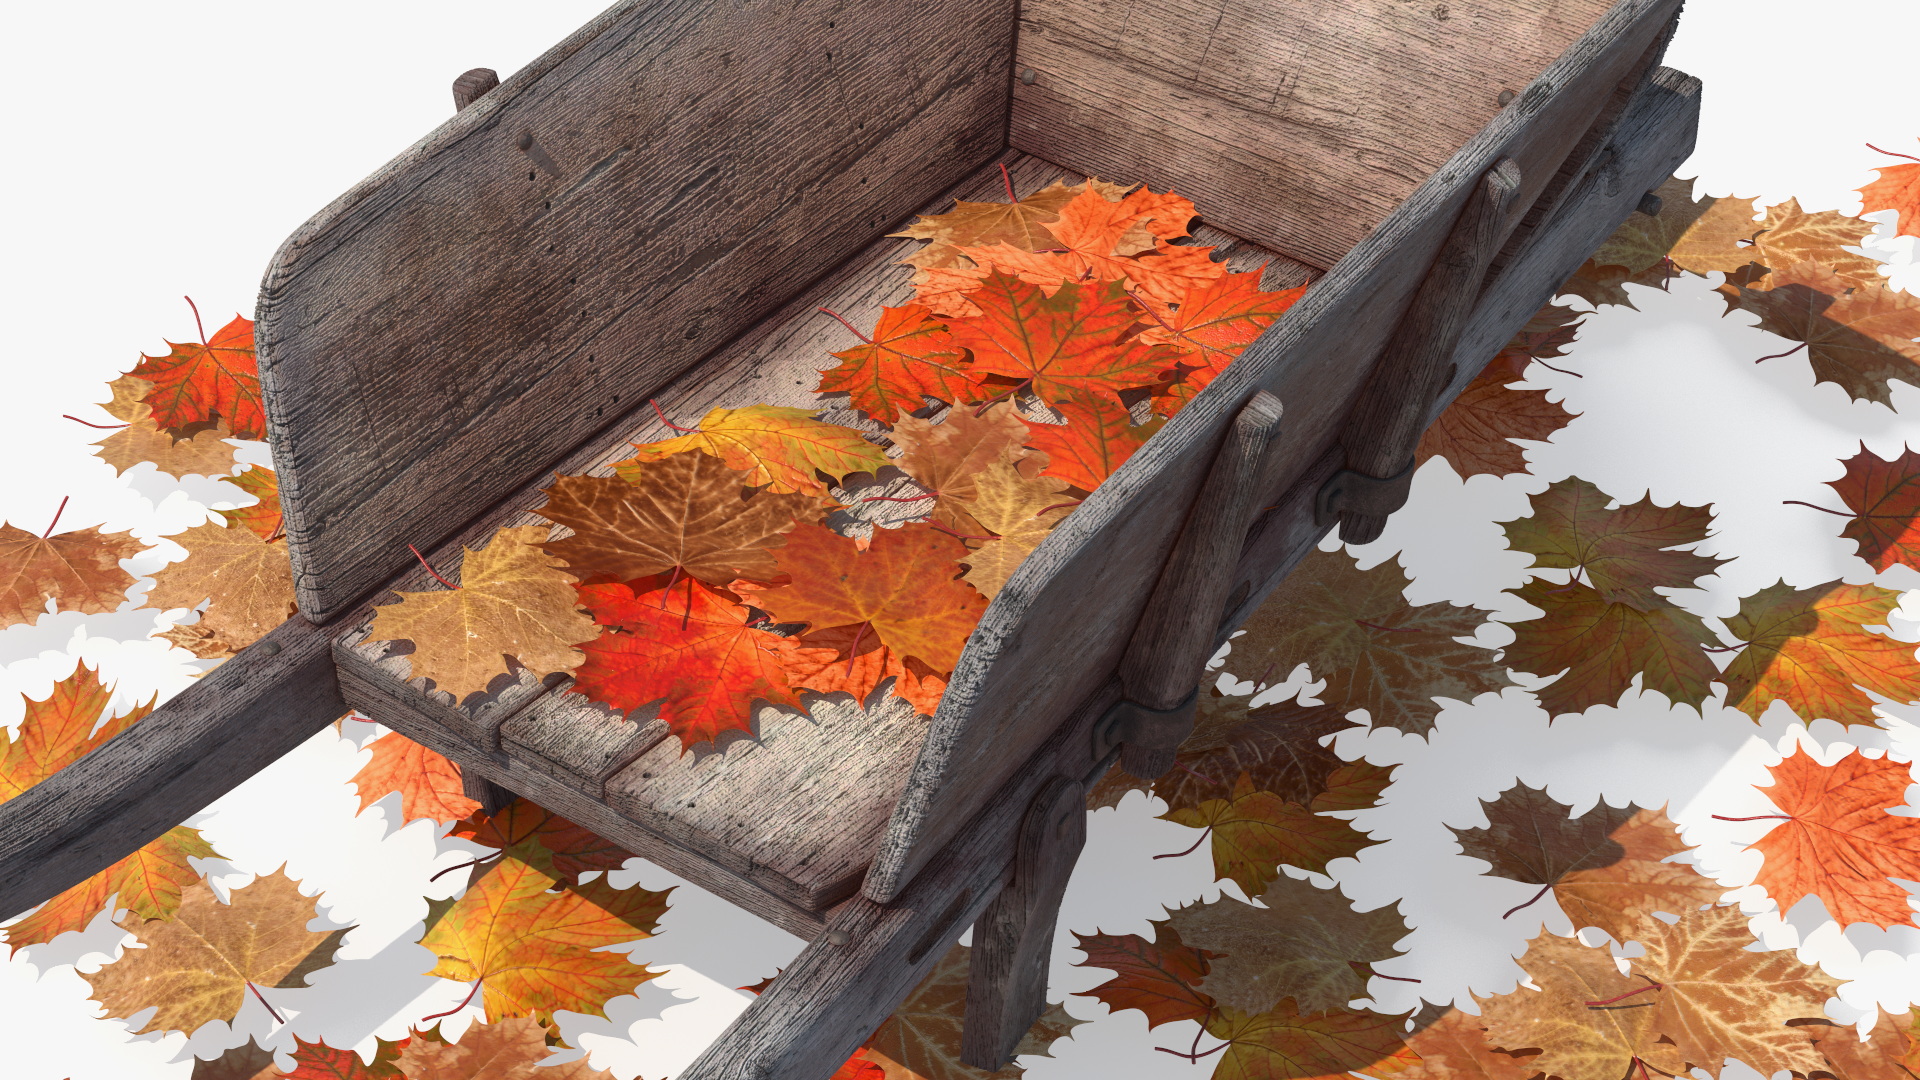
(521,278)
(1078,597)
(1299,125)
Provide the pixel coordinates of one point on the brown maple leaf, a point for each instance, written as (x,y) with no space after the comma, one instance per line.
(1278,746)
(1840,843)
(1891,1051)
(249,581)
(947,457)
(198,967)
(511,1049)
(1453,1046)
(1596,649)
(80,569)
(1605,867)
(1809,648)
(1254,832)
(1157,977)
(1377,652)
(1286,1044)
(1858,333)
(1306,943)
(1587,1019)
(687,511)
(1645,240)
(1884,497)
(204,453)
(513,599)
(1624,552)
(249,1061)
(1606,285)
(923,1034)
(1716,1000)
(1019,512)
(1727,238)
(561,848)
(1476,433)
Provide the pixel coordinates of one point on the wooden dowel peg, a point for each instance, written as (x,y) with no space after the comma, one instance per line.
(471,84)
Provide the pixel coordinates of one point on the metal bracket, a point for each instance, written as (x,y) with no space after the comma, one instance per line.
(1350,492)
(1147,737)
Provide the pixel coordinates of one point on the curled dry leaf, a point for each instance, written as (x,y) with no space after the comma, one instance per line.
(513,600)
(80,569)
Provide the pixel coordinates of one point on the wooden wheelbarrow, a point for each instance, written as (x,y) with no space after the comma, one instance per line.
(656,207)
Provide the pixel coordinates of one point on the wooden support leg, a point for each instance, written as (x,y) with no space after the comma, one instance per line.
(1013,938)
(491,796)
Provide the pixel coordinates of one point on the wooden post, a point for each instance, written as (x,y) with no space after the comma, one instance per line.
(491,796)
(1013,938)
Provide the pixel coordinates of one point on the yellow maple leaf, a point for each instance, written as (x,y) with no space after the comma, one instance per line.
(776,445)
(1017,509)
(249,581)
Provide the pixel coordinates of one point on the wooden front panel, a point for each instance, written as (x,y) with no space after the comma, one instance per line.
(1298,124)
(531,270)
(1057,630)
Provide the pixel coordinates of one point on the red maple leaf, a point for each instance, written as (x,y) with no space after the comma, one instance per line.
(689,644)
(1885,499)
(1840,843)
(911,354)
(1076,339)
(199,382)
(1157,977)
(1097,438)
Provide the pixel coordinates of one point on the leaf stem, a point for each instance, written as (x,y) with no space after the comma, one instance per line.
(1789,352)
(456,1008)
(1007,179)
(958,536)
(56,518)
(277,1018)
(1725,648)
(1810,506)
(469,862)
(1057,506)
(663,417)
(1651,985)
(430,569)
(1182,766)
(853,652)
(1890,153)
(200,326)
(1544,889)
(1191,1056)
(668,588)
(1191,850)
(1756,817)
(1390,629)
(850,326)
(1550,367)
(89,423)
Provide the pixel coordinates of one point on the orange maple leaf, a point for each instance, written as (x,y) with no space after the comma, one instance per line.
(1839,842)
(1079,338)
(687,645)
(215,379)
(1098,437)
(263,517)
(843,659)
(80,569)
(318,1061)
(429,785)
(1810,649)
(911,354)
(903,588)
(1218,319)
(1897,189)
(1157,977)
(1884,496)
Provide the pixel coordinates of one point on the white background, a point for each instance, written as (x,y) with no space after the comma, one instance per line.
(162,150)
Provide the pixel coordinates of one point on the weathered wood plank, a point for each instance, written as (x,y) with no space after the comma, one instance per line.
(595,225)
(1081,592)
(576,740)
(199,745)
(1298,125)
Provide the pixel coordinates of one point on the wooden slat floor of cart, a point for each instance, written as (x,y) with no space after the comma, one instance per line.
(784,822)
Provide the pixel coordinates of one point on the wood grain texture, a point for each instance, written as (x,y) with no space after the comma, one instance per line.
(1083,589)
(461,320)
(1655,134)
(197,746)
(1299,125)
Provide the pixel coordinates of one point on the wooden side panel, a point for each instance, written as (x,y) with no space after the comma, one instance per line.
(1081,593)
(1298,125)
(627,204)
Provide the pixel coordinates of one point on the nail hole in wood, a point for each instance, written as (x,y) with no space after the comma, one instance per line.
(1027,75)
(269,647)
(838,937)
(1505,96)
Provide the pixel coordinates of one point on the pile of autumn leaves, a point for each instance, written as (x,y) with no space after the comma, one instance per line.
(765,552)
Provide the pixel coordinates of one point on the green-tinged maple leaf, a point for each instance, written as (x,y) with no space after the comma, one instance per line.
(80,569)
(1357,785)
(1579,1039)
(1645,240)
(263,517)
(203,382)
(1597,648)
(535,947)
(911,355)
(1623,552)
(923,1034)
(686,510)
(1306,943)
(1884,496)
(1475,433)
(1840,842)
(1605,285)
(689,646)
(1254,832)
(775,445)
(1605,866)
(1078,339)
(1286,1044)
(1098,437)
(198,966)
(1718,1000)
(1157,977)
(1810,648)
(1858,332)
(1355,629)
(1278,746)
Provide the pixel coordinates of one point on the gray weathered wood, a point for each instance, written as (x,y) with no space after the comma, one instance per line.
(1653,137)
(458,322)
(577,740)
(491,796)
(1013,938)
(197,746)
(1082,591)
(1386,423)
(1300,125)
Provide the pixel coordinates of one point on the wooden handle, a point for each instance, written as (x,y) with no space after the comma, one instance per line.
(1387,421)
